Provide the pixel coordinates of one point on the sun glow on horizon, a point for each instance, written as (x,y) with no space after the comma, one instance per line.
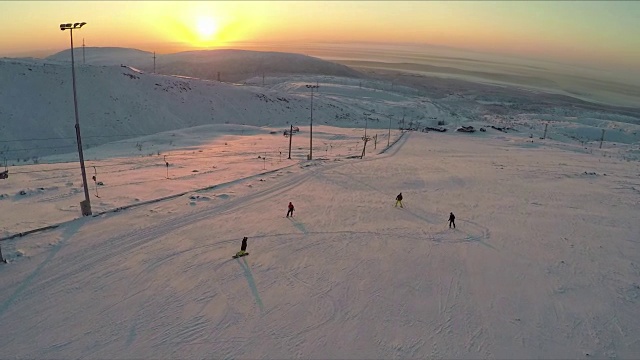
(206,27)
(603,34)
(193,25)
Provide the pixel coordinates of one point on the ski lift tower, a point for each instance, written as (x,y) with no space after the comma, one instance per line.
(5,174)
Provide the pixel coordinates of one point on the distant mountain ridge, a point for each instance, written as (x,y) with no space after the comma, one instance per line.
(229,65)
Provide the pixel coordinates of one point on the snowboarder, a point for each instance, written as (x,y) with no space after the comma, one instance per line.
(291,208)
(452,220)
(243,248)
(399,200)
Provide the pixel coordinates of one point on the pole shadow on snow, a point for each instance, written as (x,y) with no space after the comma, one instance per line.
(68,231)
(132,334)
(252,285)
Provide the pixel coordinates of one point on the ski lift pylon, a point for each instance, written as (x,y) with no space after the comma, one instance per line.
(5,174)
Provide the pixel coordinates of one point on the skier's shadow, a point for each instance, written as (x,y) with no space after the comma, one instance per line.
(472,233)
(252,285)
(298,225)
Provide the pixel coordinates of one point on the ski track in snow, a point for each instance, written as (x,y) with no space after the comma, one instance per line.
(414,289)
(79,265)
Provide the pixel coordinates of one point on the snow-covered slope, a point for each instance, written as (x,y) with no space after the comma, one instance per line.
(118,102)
(543,262)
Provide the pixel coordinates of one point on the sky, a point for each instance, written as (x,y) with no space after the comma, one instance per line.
(601,34)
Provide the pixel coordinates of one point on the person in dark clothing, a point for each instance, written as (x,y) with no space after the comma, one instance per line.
(290,211)
(452,220)
(399,200)
(243,247)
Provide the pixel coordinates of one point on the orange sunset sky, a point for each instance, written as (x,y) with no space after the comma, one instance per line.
(599,34)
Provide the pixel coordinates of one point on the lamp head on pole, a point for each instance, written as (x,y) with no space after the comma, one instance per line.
(70,26)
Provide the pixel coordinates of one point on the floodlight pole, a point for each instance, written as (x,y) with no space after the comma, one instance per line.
(290,139)
(311,129)
(389,136)
(311,123)
(85,206)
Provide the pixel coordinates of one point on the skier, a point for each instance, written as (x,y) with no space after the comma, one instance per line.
(243,247)
(399,200)
(290,211)
(452,220)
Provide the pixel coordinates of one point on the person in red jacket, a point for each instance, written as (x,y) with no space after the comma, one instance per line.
(290,211)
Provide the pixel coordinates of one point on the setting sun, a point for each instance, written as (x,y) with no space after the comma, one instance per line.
(206,27)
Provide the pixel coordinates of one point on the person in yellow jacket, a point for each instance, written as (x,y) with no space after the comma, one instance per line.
(243,248)
(399,200)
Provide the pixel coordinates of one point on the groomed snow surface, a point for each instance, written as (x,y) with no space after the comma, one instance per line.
(544,262)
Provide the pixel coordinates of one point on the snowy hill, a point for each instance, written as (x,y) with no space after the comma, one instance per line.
(118,102)
(104,56)
(232,65)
